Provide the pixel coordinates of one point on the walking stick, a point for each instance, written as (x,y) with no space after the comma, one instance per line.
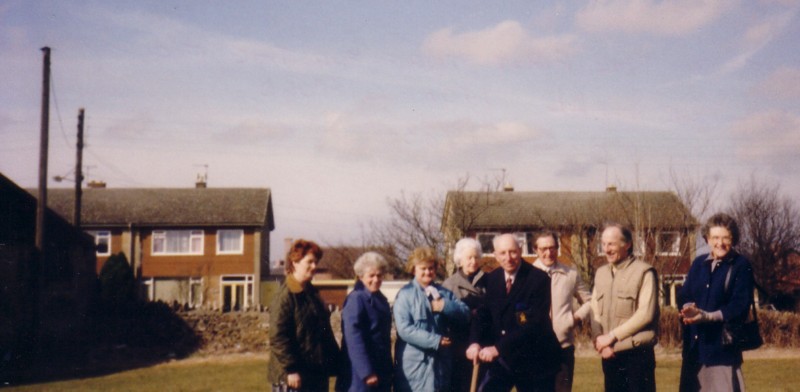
(475,366)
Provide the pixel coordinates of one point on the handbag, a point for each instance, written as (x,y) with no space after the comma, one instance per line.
(744,335)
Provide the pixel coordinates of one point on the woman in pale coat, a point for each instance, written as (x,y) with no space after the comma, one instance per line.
(469,285)
(423,312)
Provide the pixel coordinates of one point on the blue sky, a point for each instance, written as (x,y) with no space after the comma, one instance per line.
(337,106)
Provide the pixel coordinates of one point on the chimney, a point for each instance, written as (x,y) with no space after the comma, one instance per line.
(287,244)
(611,188)
(200,183)
(96,184)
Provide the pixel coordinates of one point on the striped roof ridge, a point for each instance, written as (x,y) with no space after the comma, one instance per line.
(167,206)
(502,210)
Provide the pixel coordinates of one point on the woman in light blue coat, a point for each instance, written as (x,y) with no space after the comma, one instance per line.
(423,313)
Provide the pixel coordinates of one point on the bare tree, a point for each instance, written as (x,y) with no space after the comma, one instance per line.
(417,220)
(652,216)
(770,230)
(698,195)
(339,259)
(413,222)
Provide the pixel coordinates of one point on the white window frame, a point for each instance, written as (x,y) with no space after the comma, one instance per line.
(194,235)
(99,235)
(238,282)
(484,248)
(149,284)
(599,244)
(195,302)
(674,248)
(230,252)
(522,241)
(639,244)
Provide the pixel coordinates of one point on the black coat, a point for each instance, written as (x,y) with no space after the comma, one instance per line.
(518,323)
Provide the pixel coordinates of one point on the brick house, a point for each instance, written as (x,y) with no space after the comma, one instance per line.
(664,229)
(192,246)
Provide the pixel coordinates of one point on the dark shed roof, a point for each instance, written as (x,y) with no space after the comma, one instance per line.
(168,206)
(502,210)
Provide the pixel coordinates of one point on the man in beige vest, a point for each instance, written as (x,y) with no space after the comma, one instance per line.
(625,314)
(566,285)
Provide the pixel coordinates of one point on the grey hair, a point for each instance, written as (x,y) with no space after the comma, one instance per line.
(370,259)
(725,221)
(627,234)
(497,238)
(464,245)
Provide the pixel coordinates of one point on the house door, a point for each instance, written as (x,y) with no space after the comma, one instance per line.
(237,293)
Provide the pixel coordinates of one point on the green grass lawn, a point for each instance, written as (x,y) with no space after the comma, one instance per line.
(248,374)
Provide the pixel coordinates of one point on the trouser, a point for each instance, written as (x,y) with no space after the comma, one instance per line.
(566,370)
(500,379)
(631,370)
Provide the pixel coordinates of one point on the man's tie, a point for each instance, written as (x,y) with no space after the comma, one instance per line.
(508,285)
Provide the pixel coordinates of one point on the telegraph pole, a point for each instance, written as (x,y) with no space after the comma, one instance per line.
(36,282)
(43,149)
(76,219)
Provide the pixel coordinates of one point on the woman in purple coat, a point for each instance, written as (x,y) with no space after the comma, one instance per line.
(366,328)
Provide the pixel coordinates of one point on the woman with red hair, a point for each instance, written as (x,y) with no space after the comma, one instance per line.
(303,351)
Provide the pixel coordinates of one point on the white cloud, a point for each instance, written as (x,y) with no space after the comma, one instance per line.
(771,137)
(447,144)
(671,18)
(757,37)
(507,42)
(784,83)
(183,44)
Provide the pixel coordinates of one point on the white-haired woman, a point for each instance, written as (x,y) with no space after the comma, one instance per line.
(468,284)
(366,328)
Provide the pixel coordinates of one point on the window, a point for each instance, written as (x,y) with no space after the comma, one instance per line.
(523,239)
(195,292)
(486,242)
(668,243)
(237,292)
(147,289)
(102,240)
(598,243)
(178,242)
(639,244)
(230,242)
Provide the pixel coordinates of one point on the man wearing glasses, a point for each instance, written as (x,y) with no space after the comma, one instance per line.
(565,284)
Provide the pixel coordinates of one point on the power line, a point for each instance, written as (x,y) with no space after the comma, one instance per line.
(58,111)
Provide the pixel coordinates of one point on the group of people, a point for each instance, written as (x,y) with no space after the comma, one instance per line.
(512,327)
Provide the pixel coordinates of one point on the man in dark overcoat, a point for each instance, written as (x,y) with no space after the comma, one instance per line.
(513,334)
